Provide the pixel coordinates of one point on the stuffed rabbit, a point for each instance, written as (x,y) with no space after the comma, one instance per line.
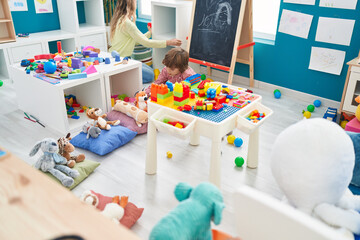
(51,162)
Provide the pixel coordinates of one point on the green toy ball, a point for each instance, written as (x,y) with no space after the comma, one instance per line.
(239,161)
(203,77)
(311,108)
(1,83)
(231,139)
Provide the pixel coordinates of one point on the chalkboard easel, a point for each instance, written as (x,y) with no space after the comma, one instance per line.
(221,34)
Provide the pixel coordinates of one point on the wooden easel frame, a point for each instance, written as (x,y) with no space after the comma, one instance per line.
(243,50)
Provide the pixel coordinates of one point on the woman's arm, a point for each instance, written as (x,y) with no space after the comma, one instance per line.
(139,37)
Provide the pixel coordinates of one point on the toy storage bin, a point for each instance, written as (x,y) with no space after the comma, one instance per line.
(247,126)
(183,133)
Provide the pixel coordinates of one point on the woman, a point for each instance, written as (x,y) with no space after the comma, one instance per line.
(124,35)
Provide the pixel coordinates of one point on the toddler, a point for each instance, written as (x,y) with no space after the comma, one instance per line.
(176,68)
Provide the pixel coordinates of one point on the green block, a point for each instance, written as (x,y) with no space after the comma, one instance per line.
(177,94)
(181,103)
(122,96)
(165,96)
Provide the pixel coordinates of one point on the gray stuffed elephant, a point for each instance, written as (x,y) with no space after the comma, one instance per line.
(191,218)
(52,162)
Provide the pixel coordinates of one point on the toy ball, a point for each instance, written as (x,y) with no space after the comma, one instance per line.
(169,154)
(49,67)
(311,108)
(238,142)
(343,124)
(317,103)
(277,94)
(231,139)
(307,114)
(239,161)
(203,77)
(1,83)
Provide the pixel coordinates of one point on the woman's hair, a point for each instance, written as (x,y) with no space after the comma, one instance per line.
(177,58)
(123,9)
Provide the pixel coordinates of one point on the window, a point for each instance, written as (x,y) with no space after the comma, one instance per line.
(265,18)
(144,9)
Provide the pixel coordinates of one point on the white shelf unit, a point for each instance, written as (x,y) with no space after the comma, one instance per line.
(69,19)
(72,34)
(4,62)
(46,101)
(170,19)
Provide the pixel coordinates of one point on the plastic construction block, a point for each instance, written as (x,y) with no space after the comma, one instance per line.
(91,69)
(107,61)
(114,54)
(77,76)
(76,63)
(44,56)
(117,58)
(58,58)
(75,117)
(93,54)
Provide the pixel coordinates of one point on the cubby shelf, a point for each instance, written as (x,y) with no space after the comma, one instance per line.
(7,32)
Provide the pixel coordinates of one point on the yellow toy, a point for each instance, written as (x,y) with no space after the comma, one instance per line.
(307,114)
(169,154)
(357,112)
(231,139)
(156,73)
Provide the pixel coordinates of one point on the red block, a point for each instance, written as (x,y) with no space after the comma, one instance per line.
(192,95)
(220,99)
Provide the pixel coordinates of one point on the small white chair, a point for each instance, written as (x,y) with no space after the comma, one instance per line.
(261,217)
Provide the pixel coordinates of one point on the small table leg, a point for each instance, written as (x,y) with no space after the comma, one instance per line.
(194,138)
(151,149)
(253,149)
(215,164)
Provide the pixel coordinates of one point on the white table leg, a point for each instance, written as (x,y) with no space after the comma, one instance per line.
(195,138)
(253,149)
(151,149)
(215,163)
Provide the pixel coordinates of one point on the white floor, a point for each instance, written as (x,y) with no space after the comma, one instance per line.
(122,171)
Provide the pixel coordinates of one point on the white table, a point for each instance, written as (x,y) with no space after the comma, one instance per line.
(46,101)
(197,127)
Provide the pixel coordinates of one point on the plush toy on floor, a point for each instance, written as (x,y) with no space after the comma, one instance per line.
(137,114)
(114,210)
(95,114)
(191,218)
(51,162)
(312,162)
(65,148)
(140,100)
(91,129)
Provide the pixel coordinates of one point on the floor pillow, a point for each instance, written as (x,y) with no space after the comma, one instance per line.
(132,212)
(84,168)
(106,142)
(355,137)
(126,121)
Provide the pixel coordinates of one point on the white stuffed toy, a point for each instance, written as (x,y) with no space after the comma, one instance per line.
(312,162)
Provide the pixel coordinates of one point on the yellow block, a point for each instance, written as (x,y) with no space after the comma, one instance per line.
(112,102)
(178,125)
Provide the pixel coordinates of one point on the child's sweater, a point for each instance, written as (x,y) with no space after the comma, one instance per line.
(164,77)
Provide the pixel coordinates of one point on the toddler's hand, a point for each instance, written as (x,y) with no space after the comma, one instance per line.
(173,42)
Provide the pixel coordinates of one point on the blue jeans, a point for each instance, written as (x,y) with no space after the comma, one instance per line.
(147,73)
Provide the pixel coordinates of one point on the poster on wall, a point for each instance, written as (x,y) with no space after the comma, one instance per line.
(43,6)
(306,2)
(327,60)
(335,30)
(18,5)
(295,23)
(345,4)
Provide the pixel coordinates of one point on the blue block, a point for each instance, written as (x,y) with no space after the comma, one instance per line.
(28,71)
(82,69)
(114,54)
(75,117)
(107,61)
(71,109)
(90,59)
(170,85)
(117,58)
(196,91)
(77,76)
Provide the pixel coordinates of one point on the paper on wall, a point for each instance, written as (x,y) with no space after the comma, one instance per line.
(18,5)
(295,23)
(43,6)
(327,60)
(307,2)
(346,4)
(335,30)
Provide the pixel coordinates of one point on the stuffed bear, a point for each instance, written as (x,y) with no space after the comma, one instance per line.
(65,148)
(95,114)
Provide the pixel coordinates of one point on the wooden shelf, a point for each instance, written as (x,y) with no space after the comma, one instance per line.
(7,39)
(4,20)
